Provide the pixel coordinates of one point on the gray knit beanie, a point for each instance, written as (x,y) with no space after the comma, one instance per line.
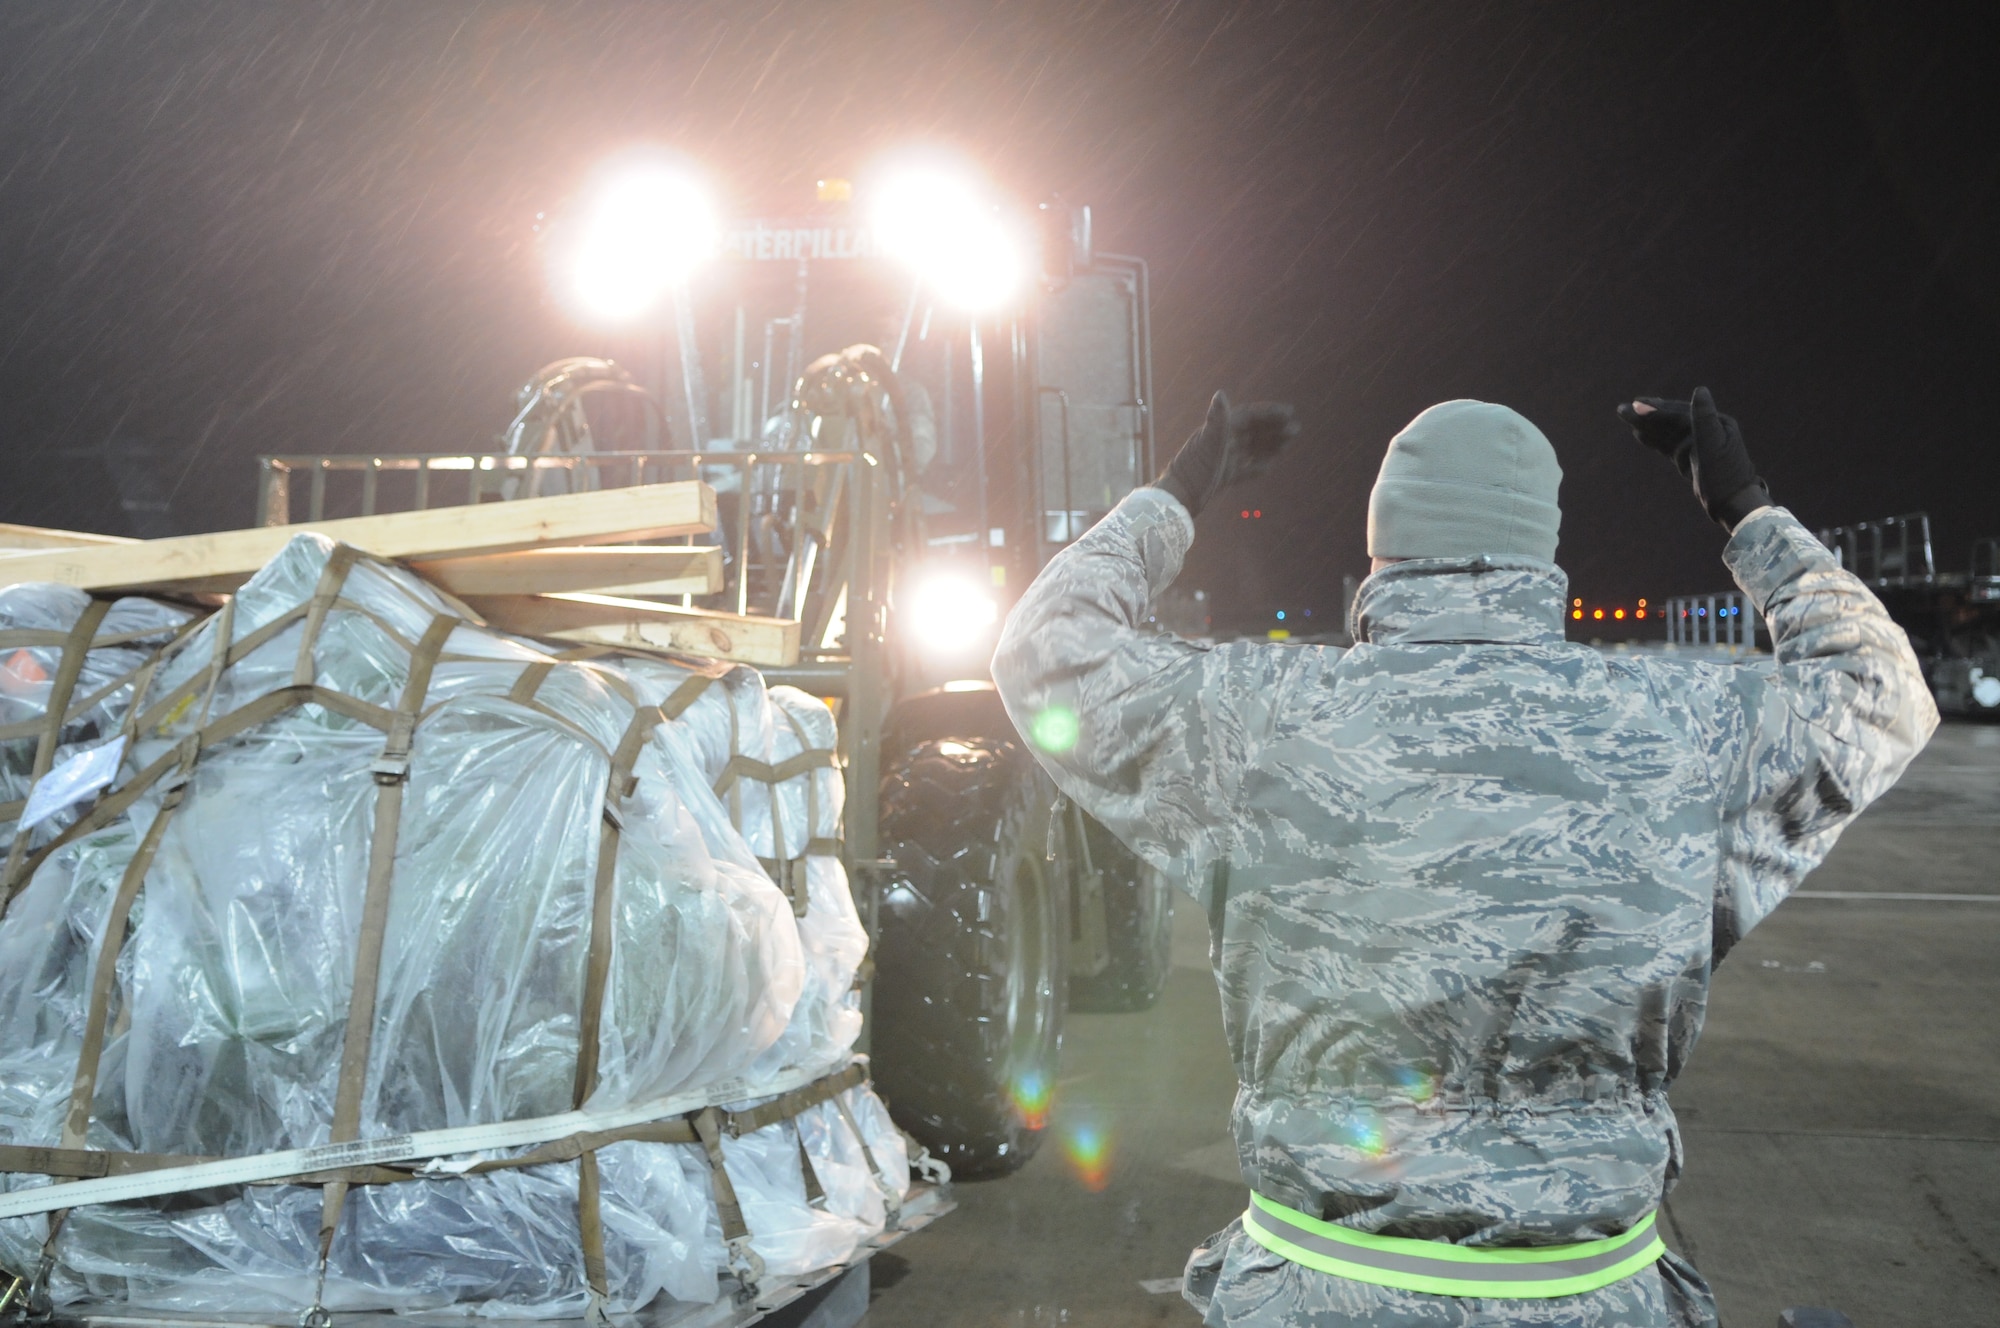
(1462,479)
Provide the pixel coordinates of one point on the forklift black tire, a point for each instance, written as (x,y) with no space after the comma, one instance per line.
(1138,927)
(972,959)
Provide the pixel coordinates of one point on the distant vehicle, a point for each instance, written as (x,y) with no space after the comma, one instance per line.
(1953,618)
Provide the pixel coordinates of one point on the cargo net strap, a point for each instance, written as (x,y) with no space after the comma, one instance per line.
(148,1175)
(788,870)
(94,1176)
(68,1164)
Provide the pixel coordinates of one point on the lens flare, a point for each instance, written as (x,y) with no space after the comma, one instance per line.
(1363,1132)
(1055,729)
(1420,1084)
(1031,1095)
(1088,1149)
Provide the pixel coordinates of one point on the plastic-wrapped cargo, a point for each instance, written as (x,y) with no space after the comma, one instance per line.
(560,880)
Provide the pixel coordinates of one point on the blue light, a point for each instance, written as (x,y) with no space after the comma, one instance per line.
(1281,615)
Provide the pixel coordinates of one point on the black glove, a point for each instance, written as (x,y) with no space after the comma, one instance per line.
(1707,447)
(1231,445)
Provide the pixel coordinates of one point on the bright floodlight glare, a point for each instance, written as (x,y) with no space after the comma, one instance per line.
(646,229)
(938,224)
(951,614)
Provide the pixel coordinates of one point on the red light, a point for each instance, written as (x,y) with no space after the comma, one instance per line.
(1246,514)
(1258,514)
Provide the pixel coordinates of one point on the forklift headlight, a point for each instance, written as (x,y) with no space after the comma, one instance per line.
(645,229)
(951,615)
(937,224)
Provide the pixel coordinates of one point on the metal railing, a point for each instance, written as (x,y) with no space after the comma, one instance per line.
(784,515)
(1984,581)
(1724,619)
(806,535)
(1895,551)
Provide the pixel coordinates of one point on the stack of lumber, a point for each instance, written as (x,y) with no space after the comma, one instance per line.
(568,568)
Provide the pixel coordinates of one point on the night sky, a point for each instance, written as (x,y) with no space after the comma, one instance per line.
(228,229)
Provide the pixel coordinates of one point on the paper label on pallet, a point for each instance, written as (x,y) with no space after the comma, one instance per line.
(74,780)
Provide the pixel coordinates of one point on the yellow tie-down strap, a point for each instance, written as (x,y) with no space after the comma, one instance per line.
(1440,1269)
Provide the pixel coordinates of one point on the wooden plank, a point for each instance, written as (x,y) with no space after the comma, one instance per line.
(621,569)
(225,558)
(19,539)
(608,620)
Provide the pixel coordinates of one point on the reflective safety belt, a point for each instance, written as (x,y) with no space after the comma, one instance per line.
(1441,1269)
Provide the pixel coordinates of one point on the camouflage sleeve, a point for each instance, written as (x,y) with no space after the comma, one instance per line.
(1149,733)
(1812,738)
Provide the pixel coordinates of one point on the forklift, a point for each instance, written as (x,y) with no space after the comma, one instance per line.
(908,396)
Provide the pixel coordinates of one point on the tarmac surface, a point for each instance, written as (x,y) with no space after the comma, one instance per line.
(1842,1112)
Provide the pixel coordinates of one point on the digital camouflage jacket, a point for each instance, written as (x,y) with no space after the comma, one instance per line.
(1466,881)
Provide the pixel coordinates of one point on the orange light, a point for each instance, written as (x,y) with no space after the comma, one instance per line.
(1642,603)
(1640,614)
(1576,613)
(1597,613)
(1618,613)
(1577,602)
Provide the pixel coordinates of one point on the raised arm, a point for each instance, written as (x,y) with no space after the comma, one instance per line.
(1802,745)
(1149,733)
(1825,729)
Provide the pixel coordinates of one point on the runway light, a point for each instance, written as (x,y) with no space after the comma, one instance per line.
(951,614)
(646,227)
(937,222)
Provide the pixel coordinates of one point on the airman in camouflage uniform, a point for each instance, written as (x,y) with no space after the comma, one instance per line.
(1466,882)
